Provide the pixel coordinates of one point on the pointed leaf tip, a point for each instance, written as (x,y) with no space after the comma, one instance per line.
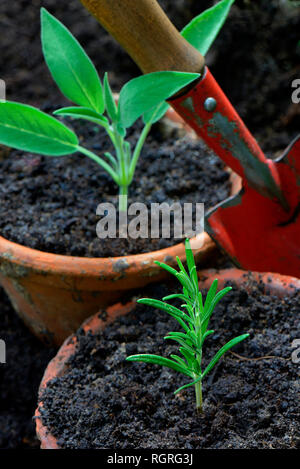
(70,67)
(204,28)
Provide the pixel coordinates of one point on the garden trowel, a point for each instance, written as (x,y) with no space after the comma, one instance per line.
(259,227)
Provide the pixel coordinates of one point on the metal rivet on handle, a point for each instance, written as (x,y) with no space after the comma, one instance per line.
(210,104)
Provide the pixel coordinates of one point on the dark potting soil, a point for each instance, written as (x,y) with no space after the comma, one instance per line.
(26,359)
(50,203)
(251,398)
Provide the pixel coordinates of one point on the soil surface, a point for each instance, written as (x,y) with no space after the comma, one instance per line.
(251,398)
(26,359)
(50,203)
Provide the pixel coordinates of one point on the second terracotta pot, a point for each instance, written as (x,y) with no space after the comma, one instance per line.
(53,294)
(275,284)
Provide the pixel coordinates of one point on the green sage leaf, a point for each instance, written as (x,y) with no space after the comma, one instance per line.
(203,30)
(110,103)
(29,129)
(147,91)
(82,113)
(69,65)
(155,114)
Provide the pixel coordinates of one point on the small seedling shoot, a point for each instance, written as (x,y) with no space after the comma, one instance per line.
(194,319)
(26,128)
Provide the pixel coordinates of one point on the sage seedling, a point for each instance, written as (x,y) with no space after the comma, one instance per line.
(26,128)
(194,319)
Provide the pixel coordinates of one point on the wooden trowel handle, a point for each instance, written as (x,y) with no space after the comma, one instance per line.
(147,34)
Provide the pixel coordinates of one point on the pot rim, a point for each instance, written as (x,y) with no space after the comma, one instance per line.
(274,284)
(62,264)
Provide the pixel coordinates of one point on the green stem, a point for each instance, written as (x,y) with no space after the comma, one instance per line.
(119,145)
(138,149)
(198,390)
(110,133)
(100,162)
(198,331)
(123,198)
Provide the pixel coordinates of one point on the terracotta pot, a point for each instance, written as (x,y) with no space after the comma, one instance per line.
(53,294)
(57,365)
(275,284)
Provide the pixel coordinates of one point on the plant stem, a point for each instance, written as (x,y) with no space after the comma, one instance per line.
(198,390)
(123,170)
(138,149)
(198,331)
(123,194)
(100,162)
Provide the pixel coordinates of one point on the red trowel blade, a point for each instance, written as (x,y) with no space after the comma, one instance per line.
(255,231)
